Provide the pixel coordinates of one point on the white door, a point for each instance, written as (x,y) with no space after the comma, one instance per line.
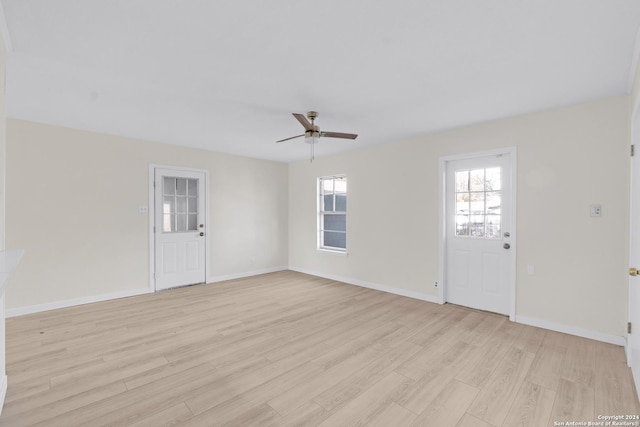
(478,262)
(180,227)
(633,344)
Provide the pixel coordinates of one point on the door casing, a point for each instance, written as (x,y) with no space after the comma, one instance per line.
(442,289)
(633,339)
(152,219)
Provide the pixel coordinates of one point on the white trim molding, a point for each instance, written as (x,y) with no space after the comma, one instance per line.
(375,286)
(3,392)
(224,277)
(20,311)
(634,63)
(4,30)
(572,330)
(531,321)
(13,312)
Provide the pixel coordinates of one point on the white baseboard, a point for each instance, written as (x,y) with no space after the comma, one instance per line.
(572,330)
(214,279)
(540,323)
(375,286)
(531,321)
(19,311)
(3,392)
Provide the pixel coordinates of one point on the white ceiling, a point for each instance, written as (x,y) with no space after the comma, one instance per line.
(225,75)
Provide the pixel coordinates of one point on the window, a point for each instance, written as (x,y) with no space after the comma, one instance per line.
(478,202)
(180,204)
(332,218)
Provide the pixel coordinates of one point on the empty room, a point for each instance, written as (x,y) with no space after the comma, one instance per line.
(298,213)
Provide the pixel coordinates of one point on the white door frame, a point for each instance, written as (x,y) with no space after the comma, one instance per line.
(152,219)
(442,289)
(631,304)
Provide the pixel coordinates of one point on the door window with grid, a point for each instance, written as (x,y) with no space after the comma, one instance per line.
(332,221)
(180,205)
(478,202)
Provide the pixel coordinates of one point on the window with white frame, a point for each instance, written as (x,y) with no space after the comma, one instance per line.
(478,203)
(332,213)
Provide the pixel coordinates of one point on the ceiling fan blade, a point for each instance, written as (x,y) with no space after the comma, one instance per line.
(293,137)
(339,135)
(303,121)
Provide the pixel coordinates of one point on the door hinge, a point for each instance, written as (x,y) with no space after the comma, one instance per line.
(633,150)
(628,327)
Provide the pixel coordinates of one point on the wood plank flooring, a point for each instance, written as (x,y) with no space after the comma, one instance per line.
(288,349)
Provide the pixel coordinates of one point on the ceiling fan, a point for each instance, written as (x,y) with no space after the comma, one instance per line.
(312,132)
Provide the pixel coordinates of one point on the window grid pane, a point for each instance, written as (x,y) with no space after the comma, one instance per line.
(336,222)
(478,201)
(335,240)
(181,186)
(169,186)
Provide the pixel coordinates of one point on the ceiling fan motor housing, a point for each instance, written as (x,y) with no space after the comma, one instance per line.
(310,134)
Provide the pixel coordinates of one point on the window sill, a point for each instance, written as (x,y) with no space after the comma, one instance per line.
(333,252)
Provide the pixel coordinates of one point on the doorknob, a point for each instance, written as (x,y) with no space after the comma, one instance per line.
(201,233)
(634,272)
(506,246)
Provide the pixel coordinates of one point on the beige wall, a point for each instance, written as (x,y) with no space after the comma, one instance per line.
(568,159)
(73,197)
(72,204)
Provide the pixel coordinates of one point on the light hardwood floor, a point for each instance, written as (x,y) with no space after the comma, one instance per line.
(288,349)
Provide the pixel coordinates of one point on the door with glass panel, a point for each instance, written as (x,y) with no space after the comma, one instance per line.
(478,235)
(180,228)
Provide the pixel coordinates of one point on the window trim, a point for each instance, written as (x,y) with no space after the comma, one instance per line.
(321,213)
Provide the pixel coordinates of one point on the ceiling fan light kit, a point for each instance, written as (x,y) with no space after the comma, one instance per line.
(312,133)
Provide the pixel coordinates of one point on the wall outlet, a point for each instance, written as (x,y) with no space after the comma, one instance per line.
(436,284)
(596,210)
